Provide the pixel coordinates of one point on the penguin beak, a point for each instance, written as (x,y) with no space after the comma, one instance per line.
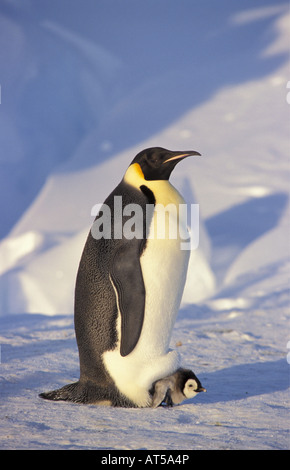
(181,155)
(200,389)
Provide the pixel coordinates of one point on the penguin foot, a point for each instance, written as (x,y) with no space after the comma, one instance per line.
(168,400)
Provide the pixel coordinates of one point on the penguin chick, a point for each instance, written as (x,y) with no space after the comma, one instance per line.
(174,389)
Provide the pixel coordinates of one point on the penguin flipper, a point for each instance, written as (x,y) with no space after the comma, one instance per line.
(128,281)
(161,393)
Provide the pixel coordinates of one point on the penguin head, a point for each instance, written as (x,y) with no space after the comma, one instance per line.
(157,163)
(190,385)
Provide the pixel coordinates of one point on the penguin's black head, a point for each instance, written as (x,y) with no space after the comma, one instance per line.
(189,383)
(157,163)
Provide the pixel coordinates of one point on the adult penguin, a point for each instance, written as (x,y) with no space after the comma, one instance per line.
(129,287)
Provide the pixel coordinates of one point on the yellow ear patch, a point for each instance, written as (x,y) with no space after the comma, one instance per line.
(138,170)
(134,175)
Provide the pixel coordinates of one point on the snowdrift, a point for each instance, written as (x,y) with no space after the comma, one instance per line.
(81,94)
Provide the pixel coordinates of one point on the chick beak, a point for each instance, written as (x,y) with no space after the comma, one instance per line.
(200,389)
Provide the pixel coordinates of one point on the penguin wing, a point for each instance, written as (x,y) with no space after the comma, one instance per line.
(128,281)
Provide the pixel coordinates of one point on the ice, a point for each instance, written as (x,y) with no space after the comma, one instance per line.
(81,94)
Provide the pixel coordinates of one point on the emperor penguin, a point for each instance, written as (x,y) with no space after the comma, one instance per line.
(129,286)
(173,390)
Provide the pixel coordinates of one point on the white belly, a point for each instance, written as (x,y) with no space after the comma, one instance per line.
(164,268)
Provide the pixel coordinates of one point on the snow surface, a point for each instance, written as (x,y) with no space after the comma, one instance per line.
(81,94)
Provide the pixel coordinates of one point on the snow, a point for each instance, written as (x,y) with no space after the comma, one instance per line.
(81,94)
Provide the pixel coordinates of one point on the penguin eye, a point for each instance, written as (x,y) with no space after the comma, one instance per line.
(154,161)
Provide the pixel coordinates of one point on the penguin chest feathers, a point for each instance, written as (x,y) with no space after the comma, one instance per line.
(169,220)
(164,267)
(163,262)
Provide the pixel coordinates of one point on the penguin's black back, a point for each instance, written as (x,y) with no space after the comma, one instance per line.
(96,308)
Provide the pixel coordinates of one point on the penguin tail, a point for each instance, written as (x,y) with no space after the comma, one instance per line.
(71,392)
(89,393)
